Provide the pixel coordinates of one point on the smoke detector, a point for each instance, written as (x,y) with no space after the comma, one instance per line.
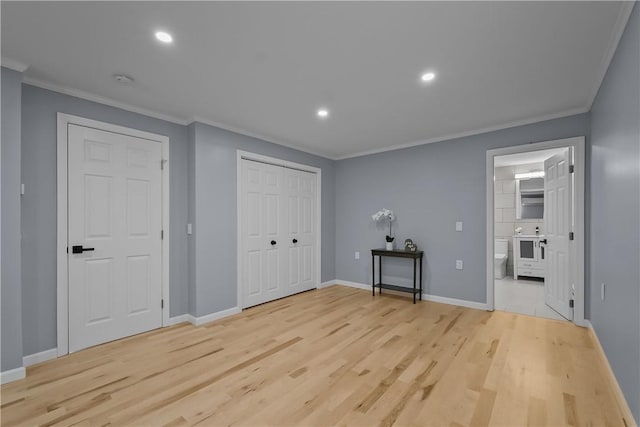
(123,78)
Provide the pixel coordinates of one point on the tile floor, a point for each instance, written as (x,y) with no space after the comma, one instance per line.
(524,297)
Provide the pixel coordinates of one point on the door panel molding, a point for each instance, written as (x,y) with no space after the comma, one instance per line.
(246,155)
(578,226)
(62,278)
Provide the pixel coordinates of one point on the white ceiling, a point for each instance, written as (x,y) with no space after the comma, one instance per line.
(264,68)
(525,158)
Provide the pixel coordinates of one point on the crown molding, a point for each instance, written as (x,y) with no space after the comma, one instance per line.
(566,113)
(13,64)
(250,134)
(620,25)
(103,100)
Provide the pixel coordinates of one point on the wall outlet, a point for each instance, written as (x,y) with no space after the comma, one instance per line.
(458,225)
(357,255)
(459,264)
(602,286)
(189,229)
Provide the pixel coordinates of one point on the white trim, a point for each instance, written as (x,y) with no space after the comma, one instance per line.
(64,120)
(454,301)
(447,137)
(623,405)
(179,319)
(197,321)
(240,154)
(43,356)
(578,145)
(12,375)
(256,135)
(619,27)
(77,93)
(425,297)
(327,284)
(13,64)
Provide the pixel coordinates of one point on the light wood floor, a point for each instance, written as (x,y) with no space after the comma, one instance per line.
(334,356)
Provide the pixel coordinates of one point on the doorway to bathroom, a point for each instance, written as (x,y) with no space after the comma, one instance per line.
(535,229)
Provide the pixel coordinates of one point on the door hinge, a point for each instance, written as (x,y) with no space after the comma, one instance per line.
(571,169)
(570,303)
(161,234)
(571,235)
(161,303)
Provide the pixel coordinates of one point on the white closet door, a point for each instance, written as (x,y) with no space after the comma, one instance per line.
(262,215)
(301,230)
(115,205)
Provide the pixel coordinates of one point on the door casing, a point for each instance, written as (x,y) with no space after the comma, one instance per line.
(64,120)
(577,247)
(240,154)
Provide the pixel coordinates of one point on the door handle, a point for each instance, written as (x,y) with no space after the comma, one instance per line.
(295,240)
(273,242)
(543,241)
(78,249)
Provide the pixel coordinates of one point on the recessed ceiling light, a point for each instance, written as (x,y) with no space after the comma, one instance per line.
(164,37)
(323,113)
(427,77)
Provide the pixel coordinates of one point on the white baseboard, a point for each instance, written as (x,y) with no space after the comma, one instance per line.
(454,301)
(197,321)
(43,356)
(426,297)
(618,394)
(179,319)
(326,284)
(12,375)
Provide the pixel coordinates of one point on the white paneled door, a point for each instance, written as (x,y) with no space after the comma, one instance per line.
(114,211)
(558,282)
(278,226)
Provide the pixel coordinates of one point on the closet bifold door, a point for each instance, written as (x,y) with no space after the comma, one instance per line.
(263,264)
(279,232)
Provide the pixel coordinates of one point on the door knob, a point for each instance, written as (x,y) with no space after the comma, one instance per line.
(273,242)
(295,240)
(78,249)
(543,241)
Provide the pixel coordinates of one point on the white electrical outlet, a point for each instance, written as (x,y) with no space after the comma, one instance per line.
(357,255)
(602,291)
(459,264)
(458,225)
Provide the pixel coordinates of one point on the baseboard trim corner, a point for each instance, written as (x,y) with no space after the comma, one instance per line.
(12,375)
(327,284)
(179,319)
(197,321)
(43,356)
(623,406)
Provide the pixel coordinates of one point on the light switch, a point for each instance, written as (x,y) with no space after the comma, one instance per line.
(459,264)
(189,229)
(458,225)
(357,255)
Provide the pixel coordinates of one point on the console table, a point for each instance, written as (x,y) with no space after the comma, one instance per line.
(417,255)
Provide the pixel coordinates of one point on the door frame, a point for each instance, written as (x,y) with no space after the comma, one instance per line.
(577,249)
(64,120)
(247,155)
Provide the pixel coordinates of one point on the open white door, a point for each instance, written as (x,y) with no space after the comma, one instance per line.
(558,292)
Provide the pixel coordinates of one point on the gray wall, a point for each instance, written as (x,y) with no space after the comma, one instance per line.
(429,187)
(39,108)
(11,295)
(615,213)
(215,216)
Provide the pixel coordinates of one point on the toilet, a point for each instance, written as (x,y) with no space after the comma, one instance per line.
(501,251)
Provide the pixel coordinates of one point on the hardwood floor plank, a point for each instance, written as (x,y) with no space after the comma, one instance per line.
(334,356)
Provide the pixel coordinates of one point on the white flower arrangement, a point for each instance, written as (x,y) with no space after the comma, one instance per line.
(384,215)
